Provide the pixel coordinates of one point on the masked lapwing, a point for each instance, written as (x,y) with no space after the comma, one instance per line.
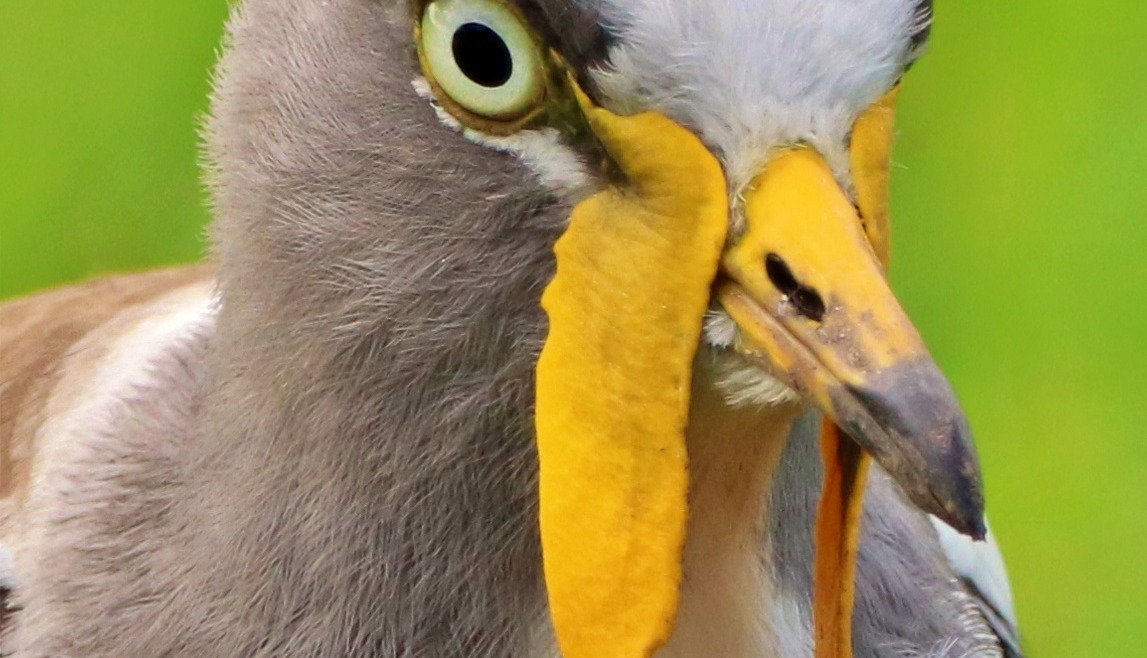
(531,328)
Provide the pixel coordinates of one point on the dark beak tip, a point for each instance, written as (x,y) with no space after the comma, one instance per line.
(980,531)
(927,445)
(971,526)
(965,513)
(961,481)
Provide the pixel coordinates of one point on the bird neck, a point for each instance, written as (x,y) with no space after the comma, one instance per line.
(343,476)
(734,452)
(358,482)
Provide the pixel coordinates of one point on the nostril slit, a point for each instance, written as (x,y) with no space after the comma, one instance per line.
(806,299)
(809,303)
(780,274)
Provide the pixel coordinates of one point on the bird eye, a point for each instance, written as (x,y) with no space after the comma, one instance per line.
(482,56)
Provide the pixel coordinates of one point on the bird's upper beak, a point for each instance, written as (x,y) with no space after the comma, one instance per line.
(638,268)
(809,296)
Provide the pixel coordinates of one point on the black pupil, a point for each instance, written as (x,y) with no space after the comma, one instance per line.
(482,55)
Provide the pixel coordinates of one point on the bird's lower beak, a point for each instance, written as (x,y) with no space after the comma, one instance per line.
(638,268)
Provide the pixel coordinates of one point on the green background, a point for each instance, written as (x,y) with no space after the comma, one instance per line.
(1021,217)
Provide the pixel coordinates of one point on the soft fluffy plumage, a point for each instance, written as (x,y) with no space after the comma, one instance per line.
(325,447)
(752,75)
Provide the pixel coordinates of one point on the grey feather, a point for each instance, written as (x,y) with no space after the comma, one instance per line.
(377,335)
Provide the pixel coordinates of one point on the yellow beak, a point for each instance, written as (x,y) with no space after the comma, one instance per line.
(810,298)
(639,266)
(808,293)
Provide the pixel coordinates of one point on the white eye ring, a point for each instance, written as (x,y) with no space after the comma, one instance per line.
(481,54)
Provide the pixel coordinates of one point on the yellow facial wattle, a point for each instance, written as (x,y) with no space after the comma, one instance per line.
(634,271)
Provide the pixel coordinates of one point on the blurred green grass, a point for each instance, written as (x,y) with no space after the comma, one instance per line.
(1021,222)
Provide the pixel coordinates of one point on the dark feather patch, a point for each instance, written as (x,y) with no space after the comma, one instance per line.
(575,30)
(5,618)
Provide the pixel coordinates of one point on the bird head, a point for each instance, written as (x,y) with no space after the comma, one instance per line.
(403,187)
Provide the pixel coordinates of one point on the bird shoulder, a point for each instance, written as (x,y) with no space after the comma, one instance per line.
(39,335)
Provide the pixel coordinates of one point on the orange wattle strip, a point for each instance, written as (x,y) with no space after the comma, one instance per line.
(837,541)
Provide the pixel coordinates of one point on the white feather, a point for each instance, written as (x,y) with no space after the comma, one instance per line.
(982,564)
(7,569)
(740,382)
(753,75)
(558,167)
